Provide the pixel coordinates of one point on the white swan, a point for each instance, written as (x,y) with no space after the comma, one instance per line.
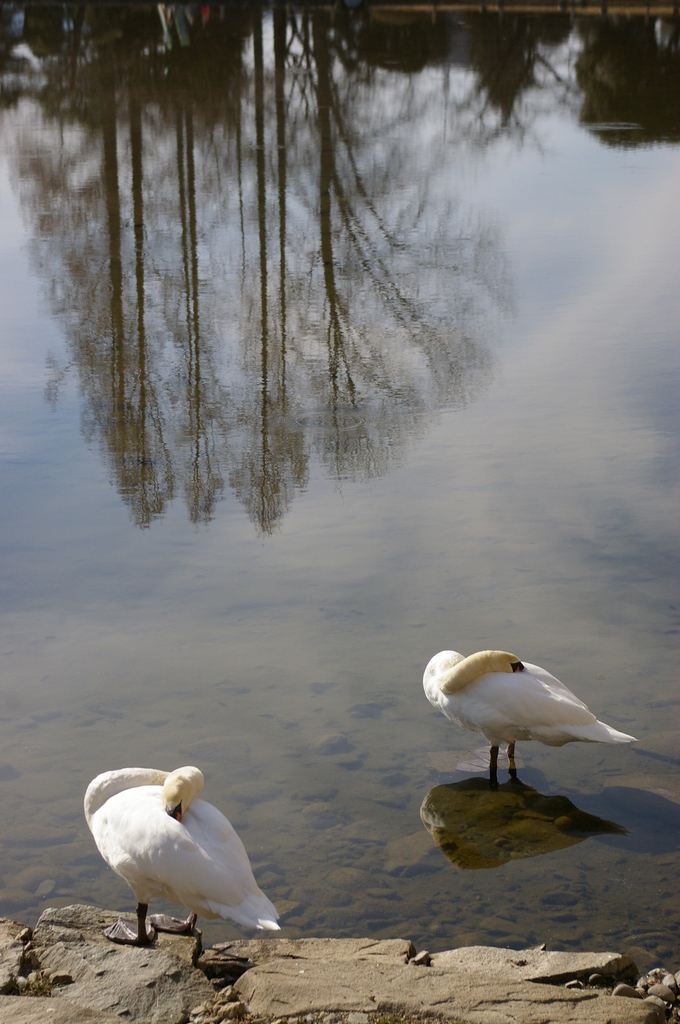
(492,692)
(151,831)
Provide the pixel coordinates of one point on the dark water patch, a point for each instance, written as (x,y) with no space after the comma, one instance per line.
(320,688)
(652,820)
(372,710)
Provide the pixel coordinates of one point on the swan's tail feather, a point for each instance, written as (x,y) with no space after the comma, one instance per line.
(592,732)
(255,912)
(271,926)
(600,732)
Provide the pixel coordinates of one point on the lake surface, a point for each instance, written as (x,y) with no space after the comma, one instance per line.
(329,340)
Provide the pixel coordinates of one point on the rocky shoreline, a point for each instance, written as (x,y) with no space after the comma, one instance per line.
(75,976)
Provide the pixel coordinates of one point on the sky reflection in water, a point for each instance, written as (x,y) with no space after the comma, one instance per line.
(328,346)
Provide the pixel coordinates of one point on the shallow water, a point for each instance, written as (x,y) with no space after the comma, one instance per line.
(326,346)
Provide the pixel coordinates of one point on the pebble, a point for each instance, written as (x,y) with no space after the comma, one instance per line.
(421,959)
(574,983)
(663,992)
(656,1001)
(231,1011)
(627,991)
(21,982)
(597,979)
(356,1017)
(669,979)
(60,978)
(227,995)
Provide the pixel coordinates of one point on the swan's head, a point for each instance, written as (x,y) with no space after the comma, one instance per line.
(503,661)
(179,789)
(451,672)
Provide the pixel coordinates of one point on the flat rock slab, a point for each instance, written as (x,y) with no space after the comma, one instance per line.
(229,960)
(550,966)
(27,1010)
(292,986)
(11,952)
(157,984)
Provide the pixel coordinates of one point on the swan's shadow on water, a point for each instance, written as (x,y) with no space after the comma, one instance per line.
(477,826)
(652,820)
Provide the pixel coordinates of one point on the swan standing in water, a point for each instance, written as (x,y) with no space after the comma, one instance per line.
(153,833)
(492,692)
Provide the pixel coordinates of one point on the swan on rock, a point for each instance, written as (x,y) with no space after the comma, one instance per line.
(494,693)
(150,830)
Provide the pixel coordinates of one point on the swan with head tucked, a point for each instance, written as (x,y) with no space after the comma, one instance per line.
(151,830)
(494,693)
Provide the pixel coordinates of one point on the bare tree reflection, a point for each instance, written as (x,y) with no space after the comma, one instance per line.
(216,334)
(201,476)
(271,458)
(629,72)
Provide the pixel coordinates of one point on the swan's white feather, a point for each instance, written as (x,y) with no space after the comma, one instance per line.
(508,706)
(198,862)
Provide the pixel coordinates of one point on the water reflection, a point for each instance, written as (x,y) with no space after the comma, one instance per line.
(629,71)
(476,826)
(247,279)
(239,272)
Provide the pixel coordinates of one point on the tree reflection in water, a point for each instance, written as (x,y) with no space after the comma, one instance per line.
(247,239)
(475,826)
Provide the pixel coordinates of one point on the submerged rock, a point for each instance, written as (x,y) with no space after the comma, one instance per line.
(477,827)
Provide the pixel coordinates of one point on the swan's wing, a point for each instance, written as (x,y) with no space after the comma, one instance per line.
(500,700)
(129,829)
(552,683)
(215,863)
(210,872)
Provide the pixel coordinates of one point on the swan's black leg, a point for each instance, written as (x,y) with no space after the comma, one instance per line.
(165,923)
(122,933)
(511,760)
(493,768)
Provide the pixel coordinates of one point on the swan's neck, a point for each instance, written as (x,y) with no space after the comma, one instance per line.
(471,668)
(108,784)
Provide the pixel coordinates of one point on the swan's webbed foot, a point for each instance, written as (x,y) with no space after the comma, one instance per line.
(166,923)
(125,935)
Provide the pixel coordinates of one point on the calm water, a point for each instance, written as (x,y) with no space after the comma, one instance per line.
(328,342)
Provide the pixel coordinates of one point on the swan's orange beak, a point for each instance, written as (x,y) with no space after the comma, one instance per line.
(176,812)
